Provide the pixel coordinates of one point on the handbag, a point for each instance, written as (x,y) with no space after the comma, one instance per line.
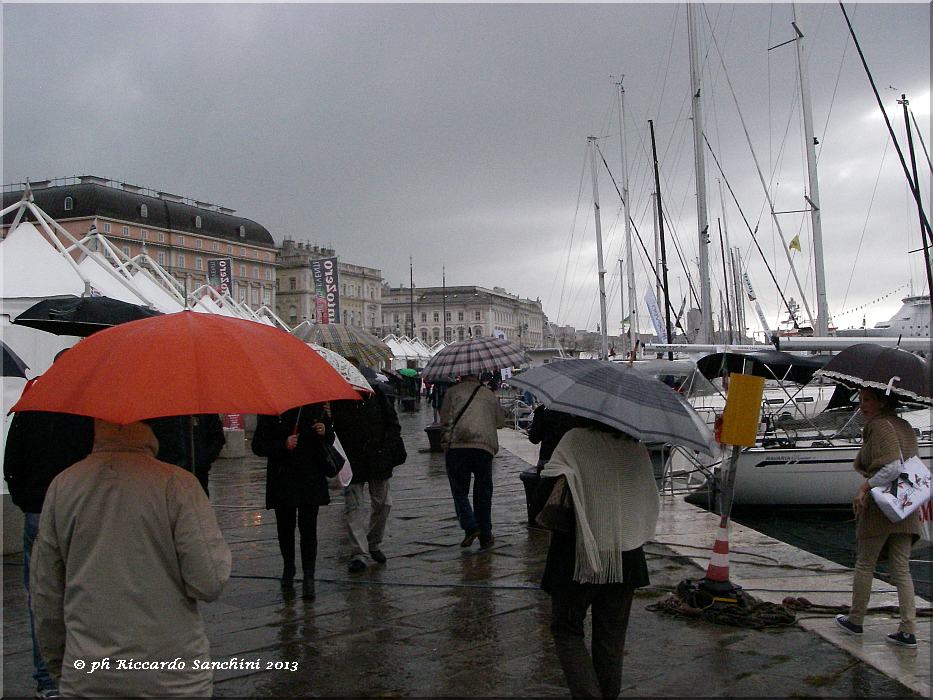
(907,492)
(331,461)
(557,512)
(448,432)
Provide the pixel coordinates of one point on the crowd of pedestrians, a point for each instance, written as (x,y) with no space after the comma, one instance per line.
(126,581)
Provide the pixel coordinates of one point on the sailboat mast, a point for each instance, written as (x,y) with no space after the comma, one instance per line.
(660,221)
(700,163)
(655,207)
(444,300)
(822,306)
(632,311)
(601,270)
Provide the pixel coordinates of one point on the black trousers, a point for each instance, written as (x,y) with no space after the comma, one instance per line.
(599,674)
(306,519)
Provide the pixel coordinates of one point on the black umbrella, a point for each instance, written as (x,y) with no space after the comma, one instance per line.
(13,365)
(867,365)
(81,316)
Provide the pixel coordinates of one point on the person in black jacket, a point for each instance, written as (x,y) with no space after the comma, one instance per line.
(548,427)
(296,485)
(174,438)
(372,437)
(40,445)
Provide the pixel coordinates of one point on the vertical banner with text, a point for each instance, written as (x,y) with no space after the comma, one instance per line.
(327,299)
(218,274)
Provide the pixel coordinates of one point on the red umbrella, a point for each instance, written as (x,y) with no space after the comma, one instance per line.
(185,363)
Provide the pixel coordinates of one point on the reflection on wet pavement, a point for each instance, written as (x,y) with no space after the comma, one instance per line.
(438,620)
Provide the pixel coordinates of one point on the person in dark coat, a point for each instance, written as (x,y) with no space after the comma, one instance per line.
(175,442)
(40,445)
(548,427)
(296,485)
(372,437)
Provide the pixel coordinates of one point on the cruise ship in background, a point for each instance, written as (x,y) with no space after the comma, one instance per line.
(911,321)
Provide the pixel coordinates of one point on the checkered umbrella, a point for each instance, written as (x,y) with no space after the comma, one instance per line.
(347,341)
(619,396)
(473,356)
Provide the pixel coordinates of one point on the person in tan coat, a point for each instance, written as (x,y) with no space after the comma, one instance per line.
(885,439)
(127,546)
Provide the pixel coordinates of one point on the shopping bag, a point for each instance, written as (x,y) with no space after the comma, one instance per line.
(345,475)
(908,492)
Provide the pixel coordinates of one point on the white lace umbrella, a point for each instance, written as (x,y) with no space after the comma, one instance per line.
(344,367)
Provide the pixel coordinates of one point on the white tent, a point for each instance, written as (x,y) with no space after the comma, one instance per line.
(160,297)
(106,284)
(33,269)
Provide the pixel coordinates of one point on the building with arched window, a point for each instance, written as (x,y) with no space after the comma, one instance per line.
(463,312)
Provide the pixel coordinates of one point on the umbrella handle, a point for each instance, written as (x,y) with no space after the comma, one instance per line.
(891,381)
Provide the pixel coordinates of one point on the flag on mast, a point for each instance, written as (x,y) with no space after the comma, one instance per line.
(795,243)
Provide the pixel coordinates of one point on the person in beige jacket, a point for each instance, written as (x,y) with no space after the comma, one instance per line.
(127,546)
(471,414)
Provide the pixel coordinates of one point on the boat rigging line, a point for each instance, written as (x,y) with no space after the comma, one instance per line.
(926,233)
(654,270)
(752,232)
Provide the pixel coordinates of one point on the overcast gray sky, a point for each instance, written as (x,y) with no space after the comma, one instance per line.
(456,133)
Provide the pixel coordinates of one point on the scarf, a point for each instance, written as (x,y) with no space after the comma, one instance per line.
(615,499)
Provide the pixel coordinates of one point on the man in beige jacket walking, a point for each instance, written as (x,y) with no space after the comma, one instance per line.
(471,414)
(127,546)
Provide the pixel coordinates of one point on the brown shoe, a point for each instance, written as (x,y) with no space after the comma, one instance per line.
(470,536)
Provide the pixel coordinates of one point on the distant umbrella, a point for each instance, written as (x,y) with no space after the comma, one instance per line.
(868,365)
(473,356)
(13,365)
(408,372)
(355,377)
(347,341)
(81,316)
(621,397)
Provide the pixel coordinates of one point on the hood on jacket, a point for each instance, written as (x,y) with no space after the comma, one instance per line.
(133,436)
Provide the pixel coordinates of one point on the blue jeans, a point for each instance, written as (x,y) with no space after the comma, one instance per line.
(462,464)
(30,531)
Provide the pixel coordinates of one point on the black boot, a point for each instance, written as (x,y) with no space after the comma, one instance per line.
(288,575)
(307,588)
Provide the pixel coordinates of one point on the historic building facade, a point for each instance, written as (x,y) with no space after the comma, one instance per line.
(462,312)
(179,233)
(358,288)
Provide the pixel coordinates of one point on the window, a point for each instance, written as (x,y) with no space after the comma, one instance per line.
(161,237)
(424,335)
(292,283)
(126,230)
(160,258)
(215,246)
(424,317)
(180,261)
(437,317)
(372,293)
(436,333)
(199,263)
(69,204)
(267,273)
(197,221)
(144,211)
(477,332)
(447,334)
(477,315)
(343,290)
(243,252)
(460,316)
(229,249)
(106,227)
(460,333)
(179,240)
(293,315)
(255,297)
(144,234)
(242,232)
(199,244)
(126,250)
(395,319)
(256,272)
(447,316)
(242,270)
(266,297)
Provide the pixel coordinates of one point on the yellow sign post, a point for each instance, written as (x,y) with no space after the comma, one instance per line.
(739,429)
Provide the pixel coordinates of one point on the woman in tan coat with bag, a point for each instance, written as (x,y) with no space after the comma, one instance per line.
(885,439)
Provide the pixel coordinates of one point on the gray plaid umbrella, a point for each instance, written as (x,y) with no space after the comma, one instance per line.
(473,356)
(347,341)
(869,365)
(621,397)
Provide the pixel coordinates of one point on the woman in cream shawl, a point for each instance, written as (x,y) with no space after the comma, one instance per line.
(601,562)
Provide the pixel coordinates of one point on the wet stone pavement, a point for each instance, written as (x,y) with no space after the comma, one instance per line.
(438,620)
